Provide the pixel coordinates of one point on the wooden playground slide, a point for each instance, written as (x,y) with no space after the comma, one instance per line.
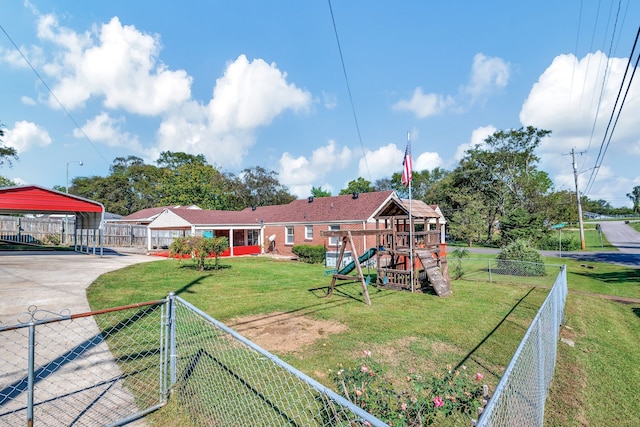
(440,285)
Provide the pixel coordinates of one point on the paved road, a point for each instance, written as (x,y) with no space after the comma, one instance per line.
(619,234)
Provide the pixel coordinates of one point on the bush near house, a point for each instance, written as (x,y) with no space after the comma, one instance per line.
(311,254)
(199,249)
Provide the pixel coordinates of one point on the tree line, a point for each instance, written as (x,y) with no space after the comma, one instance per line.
(496,185)
(179,179)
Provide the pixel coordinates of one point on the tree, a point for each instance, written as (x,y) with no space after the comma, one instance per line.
(359,185)
(319,192)
(262,188)
(520,224)
(503,174)
(6,182)
(113,192)
(635,198)
(174,160)
(6,153)
(121,165)
(467,223)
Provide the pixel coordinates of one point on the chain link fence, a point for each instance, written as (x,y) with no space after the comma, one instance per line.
(87,369)
(221,378)
(114,366)
(520,396)
(494,270)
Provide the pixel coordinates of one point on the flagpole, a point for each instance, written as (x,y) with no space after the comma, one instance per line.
(410,224)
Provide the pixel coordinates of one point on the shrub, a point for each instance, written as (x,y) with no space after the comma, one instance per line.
(52,239)
(199,248)
(429,400)
(457,255)
(551,242)
(520,259)
(311,254)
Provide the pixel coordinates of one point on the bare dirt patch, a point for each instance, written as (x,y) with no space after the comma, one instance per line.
(284,332)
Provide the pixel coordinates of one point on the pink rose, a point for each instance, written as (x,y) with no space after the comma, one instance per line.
(479,376)
(364,369)
(437,401)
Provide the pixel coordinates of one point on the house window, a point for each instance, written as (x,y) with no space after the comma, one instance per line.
(308,232)
(289,236)
(334,241)
(253,237)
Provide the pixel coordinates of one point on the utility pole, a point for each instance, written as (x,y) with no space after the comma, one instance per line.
(575,176)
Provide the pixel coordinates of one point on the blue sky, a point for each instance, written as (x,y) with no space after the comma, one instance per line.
(251,83)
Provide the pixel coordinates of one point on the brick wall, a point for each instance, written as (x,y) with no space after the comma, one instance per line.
(281,248)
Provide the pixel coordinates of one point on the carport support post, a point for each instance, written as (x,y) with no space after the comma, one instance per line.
(32,346)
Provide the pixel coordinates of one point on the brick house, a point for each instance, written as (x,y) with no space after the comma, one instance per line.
(276,229)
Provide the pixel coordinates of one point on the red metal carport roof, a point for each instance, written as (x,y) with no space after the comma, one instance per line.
(35,199)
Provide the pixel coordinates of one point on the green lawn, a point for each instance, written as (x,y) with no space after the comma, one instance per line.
(479,326)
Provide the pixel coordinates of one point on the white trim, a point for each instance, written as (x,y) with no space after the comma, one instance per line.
(286,235)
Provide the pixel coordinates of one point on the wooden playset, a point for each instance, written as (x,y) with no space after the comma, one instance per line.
(408,253)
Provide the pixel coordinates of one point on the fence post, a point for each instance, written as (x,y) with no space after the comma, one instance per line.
(173,356)
(489,264)
(30,379)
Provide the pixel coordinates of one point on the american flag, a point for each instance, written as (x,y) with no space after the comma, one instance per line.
(407,165)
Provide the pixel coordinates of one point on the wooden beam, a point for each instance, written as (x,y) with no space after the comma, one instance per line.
(344,233)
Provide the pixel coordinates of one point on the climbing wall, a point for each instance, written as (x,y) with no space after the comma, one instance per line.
(436,279)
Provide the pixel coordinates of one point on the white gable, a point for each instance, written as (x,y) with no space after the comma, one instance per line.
(168,219)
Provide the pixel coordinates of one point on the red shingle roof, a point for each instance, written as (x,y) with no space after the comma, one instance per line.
(322,209)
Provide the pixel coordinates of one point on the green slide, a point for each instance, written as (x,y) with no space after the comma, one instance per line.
(362,258)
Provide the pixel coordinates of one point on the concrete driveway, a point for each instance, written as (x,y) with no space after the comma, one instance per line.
(54,281)
(77,380)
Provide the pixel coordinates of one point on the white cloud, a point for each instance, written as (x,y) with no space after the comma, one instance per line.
(300,173)
(387,160)
(477,138)
(487,73)
(330,101)
(121,66)
(424,105)
(27,100)
(565,101)
(108,130)
(14,58)
(26,135)
(251,94)
(427,160)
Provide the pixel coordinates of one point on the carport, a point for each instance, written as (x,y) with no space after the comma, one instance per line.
(33,199)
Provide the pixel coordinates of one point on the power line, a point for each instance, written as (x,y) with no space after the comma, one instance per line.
(53,95)
(353,109)
(608,135)
(605,78)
